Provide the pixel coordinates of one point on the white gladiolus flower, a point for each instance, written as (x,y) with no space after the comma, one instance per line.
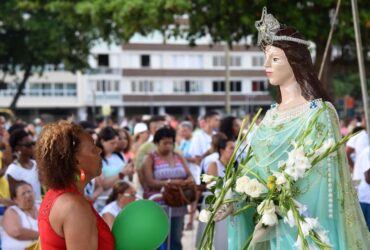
(325,146)
(269,219)
(204,216)
(308,141)
(302,209)
(208,178)
(323,235)
(280,178)
(241,183)
(328,144)
(289,218)
(303,163)
(266,206)
(311,247)
(297,162)
(298,244)
(211,184)
(217,192)
(294,172)
(305,228)
(229,195)
(253,188)
(312,222)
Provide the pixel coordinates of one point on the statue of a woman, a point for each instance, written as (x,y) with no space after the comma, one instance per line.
(326,191)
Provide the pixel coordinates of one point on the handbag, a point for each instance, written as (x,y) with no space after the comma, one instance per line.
(178,195)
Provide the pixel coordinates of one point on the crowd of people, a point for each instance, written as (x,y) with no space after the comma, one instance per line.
(112,165)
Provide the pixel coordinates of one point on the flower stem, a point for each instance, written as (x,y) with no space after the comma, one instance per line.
(242,210)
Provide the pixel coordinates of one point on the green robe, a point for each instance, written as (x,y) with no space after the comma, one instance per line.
(326,190)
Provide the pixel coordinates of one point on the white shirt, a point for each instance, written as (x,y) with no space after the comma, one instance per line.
(361,166)
(111,208)
(10,243)
(200,143)
(207,160)
(28,175)
(359,142)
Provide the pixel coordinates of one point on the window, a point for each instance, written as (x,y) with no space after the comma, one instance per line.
(218,61)
(35,89)
(187,86)
(236,86)
(235,61)
(103,60)
(71,89)
(59,89)
(142,86)
(220,86)
(145,61)
(107,86)
(258,61)
(46,89)
(259,85)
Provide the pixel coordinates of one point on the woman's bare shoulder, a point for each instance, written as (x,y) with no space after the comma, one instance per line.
(71,202)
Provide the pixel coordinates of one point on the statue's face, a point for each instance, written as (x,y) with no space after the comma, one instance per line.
(278,69)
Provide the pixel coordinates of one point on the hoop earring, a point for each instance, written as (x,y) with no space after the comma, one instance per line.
(82,176)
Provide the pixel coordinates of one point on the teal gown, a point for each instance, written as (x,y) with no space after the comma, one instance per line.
(326,191)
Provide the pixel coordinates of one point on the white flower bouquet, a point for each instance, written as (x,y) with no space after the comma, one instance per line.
(273,198)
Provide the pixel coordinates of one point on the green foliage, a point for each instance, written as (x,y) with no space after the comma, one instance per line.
(349,85)
(37,33)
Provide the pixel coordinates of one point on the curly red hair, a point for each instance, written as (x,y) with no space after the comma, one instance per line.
(55,154)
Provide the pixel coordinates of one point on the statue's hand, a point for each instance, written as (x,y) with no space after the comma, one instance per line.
(223,212)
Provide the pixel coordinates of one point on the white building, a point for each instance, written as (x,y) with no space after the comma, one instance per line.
(149,77)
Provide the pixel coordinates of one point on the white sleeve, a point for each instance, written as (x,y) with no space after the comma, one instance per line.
(352,141)
(194,149)
(364,161)
(12,171)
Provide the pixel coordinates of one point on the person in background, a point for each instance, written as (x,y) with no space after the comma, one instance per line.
(165,166)
(141,136)
(212,154)
(230,126)
(5,160)
(147,148)
(23,168)
(362,168)
(356,144)
(201,141)
(124,144)
(67,160)
(39,123)
(89,128)
(114,166)
(122,194)
(100,124)
(186,131)
(20,220)
(225,149)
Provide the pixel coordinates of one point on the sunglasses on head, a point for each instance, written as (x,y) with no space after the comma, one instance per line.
(28,144)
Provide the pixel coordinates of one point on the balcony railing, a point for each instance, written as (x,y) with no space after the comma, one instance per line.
(40,92)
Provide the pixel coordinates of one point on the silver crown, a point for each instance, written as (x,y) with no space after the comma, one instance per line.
(267,27)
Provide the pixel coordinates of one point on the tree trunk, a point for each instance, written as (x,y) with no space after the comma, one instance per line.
(26,75)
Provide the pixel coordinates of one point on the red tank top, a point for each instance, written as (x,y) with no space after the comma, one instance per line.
(50,240)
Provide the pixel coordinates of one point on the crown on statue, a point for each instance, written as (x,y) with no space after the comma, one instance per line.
(267,28)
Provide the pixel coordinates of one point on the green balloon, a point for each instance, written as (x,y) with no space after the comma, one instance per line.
(141,225)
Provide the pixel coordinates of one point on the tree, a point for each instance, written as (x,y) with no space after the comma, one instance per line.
(34,34)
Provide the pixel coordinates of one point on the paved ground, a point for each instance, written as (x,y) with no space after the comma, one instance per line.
(188,238)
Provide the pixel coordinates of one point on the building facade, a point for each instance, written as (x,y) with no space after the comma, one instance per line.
(148,77)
